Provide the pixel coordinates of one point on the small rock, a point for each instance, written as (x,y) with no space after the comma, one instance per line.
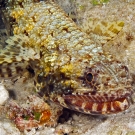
(3,94)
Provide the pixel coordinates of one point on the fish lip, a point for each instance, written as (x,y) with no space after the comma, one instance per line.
(103,96)
(82,104)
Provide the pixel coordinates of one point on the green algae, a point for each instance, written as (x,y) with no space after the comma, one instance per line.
(99,2)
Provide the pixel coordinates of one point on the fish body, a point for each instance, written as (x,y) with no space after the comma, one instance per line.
(70,68)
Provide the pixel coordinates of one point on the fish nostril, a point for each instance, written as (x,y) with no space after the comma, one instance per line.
(89,77)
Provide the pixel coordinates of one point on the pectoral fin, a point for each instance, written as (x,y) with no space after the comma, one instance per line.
(102,30)
(16,56)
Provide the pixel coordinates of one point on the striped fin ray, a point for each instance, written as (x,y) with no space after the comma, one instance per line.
(17,50)
(16,56)
(9,70)
(103,31)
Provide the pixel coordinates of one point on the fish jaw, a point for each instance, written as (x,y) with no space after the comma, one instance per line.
(82,103)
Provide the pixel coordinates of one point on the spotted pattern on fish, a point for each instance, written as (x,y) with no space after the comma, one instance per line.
(70,68)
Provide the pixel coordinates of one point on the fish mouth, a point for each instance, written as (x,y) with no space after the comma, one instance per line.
(96,103)
(82,103)
(104,96)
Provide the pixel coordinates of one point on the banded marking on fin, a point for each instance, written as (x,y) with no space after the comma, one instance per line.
(9,70)
(102,30)
(17,50)
(16,56)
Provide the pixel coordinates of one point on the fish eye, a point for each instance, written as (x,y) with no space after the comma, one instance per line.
(89,77)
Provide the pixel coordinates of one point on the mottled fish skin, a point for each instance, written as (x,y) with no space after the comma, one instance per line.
(70,68)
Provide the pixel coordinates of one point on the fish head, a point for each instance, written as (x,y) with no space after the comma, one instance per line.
(103,88)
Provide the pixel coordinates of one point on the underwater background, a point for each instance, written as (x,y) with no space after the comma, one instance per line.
(21,105)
